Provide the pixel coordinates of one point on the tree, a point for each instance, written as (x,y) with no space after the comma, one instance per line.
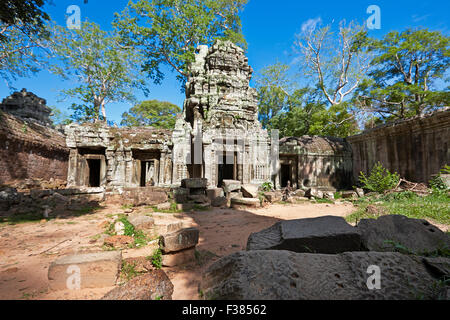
(336,63)
(169,31)
(105,70)
(404,73)
(154,113)
(301,111)
(22,38)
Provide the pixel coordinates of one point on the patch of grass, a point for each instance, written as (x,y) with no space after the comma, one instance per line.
(434,206)
(156,259)
(139,237)
(324,201)
(127,206)
(128,271)
(85,210)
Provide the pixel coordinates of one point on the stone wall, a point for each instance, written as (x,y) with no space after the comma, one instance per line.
(312,161)
(416,148)
(30,150)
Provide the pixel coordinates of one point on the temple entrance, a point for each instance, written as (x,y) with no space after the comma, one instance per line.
(94,166)
(147,173)
(285,175)
(227,170)
(146,167)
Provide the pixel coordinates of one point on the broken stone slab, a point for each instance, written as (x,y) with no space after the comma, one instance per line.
(249,190)
(246,202)
(273,196)
(285,275)
(231,185)
(328,234)
(198,198)
(176,241)
(328,195)
(95,270)
(416,235)
(178,258)
(214,193)
(314,192)
(299,193)
(439,266)
(154,285)
(142,222)
(193,183)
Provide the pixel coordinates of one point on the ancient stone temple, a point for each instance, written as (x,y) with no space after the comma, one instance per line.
(219,136)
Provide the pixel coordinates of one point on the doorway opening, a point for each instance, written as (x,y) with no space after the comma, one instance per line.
(94,172)
(227,169)
(285,175)
(148,173)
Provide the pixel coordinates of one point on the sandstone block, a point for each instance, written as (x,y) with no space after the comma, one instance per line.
(179,240)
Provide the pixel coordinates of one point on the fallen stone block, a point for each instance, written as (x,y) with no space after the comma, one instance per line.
(285,275)
(359,192)
(144,223)
(181,194)
(231,185)
(249,191)
(193,183)
(328,234)
(349,195)
(154,285)
(246,202)
(198,198)
(163,206)
(182,239)
(314,193)
(185,206)
(273,196)
(88,270)
(299,193)
(214,193)
(178,258)
(416,235)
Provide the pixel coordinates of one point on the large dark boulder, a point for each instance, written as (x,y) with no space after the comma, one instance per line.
(154,285)
(328,234)
(285,275)
(389,233)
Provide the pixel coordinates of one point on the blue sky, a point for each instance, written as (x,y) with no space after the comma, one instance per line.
(269,27)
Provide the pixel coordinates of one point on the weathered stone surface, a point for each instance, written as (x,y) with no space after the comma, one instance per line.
(231,185)
(178,258)
(273,196)
(439,266)
(163,206)
(214,193)
(326,234)
(250,190)
(193,183)
(349,195)
(219,202)
(299,193)
(182,239)
(198,198)
(314,192)
(97,270)
(154,285)
(143,196)
(142,222)
(416,235)
(284,275)
(359,192)
(328,195)
(246,202)
(181,194)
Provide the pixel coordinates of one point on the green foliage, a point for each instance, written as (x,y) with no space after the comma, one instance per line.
(435,207)
(406,67)
(169,31)
(139,237)
(105,70)
(437,184)
(128,271)
(157,259)
(59,117)
(379,179)
(266,186)
(154,113)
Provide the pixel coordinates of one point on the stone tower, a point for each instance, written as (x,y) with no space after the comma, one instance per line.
(219,136)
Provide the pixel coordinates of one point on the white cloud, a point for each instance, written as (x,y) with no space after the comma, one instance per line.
(418,18)
(311,24)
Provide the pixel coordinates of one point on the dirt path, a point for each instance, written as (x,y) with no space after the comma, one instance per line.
(27,250)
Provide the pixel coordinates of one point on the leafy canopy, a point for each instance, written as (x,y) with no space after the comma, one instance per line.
(169,31)
(105,70)
(154,113)
(404,73)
